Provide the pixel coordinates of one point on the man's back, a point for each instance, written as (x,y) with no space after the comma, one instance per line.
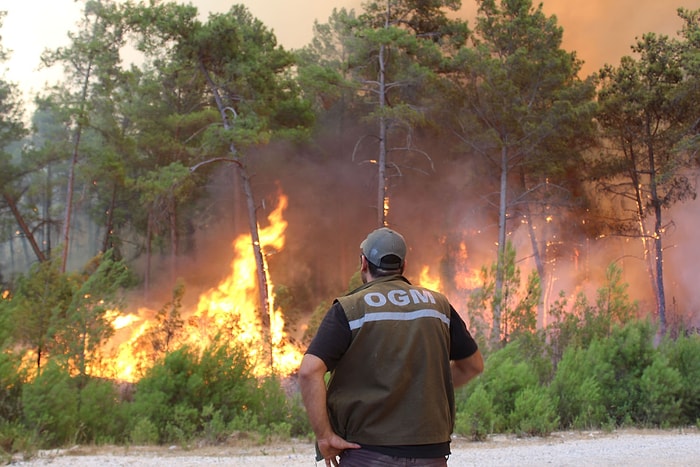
(393,385)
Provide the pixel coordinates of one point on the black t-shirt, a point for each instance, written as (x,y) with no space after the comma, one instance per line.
(332,340)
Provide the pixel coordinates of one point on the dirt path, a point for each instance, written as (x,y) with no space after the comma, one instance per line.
(620,448)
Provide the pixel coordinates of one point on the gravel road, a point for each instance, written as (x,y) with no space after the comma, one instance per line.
(618,448)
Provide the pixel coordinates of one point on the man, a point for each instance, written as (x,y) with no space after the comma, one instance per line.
(396,352)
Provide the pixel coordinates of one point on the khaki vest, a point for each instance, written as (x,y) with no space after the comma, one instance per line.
(393,386)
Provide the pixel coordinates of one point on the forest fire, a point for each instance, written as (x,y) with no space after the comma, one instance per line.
(463,277)
(231,309)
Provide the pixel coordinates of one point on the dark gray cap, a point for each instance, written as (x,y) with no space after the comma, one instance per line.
(385,248)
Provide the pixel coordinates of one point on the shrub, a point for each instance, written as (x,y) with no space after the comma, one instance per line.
(477,418)
(577,391)
(100,413)
(11,383)
(14,438)
(180,394)
(506,374)
(534,413)
(661,390)
(144,432)
(51,406)
(183,426)
(684,355)
(629,351)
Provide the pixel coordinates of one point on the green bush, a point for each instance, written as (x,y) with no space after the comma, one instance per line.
(51,406)
(269,402)
(577,391)
(100,413)
(477,417)
(684,355)
(144,432)
(629,351)
(535,414)
(507,372)
(11,382)
(661,390)
(14,438)
(183,426)
(180,394)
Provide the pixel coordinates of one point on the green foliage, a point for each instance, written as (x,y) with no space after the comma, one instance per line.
(629,351)
(95,291)
(209,395)
(683,355)
(144,432)
(577,392)
(14,438)
(476,418)
(660,394)
(518,308)
(38,309)
(101,415)
(535,413)
(51,406)
(11,383)
(613,302)
(507,373)
(610,369)
(581,323)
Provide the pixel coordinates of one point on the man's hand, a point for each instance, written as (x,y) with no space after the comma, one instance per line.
(313,394)
(331,448)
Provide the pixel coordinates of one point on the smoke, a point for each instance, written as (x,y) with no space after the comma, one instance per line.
(332,198)
(599,31)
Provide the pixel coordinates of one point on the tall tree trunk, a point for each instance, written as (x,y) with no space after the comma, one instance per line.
(250,202)
(657,242)
(538,250)
(71,172)
(108,241)
(173,239)
(23,225)
(501,256)
(48,200)
(255,240)
(382,202)
(149,241)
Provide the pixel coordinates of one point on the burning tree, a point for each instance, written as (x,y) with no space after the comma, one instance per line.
(649,116)
(520,107)
(236,64)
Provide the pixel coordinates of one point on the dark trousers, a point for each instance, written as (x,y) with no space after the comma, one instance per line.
(365,458)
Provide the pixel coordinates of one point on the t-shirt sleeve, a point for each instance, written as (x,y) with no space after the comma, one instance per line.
(332,338)
(462,344)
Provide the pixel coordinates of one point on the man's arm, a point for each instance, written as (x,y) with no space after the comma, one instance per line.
(313,394)
(466,369)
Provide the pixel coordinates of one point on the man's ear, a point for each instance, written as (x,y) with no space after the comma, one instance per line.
(364,264)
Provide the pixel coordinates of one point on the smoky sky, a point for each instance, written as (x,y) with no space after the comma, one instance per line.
(599,31)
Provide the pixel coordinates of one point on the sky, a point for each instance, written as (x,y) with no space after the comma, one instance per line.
(600,31)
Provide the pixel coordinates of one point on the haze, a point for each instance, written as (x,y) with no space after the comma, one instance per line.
(599,31)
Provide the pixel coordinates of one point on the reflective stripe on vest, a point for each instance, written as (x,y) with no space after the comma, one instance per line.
(394,316)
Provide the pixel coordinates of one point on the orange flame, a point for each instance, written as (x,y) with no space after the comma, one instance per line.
(233,304)
(464,279)
(425,279)
(232,307)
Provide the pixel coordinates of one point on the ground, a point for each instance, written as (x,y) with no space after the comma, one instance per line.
(678,447)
